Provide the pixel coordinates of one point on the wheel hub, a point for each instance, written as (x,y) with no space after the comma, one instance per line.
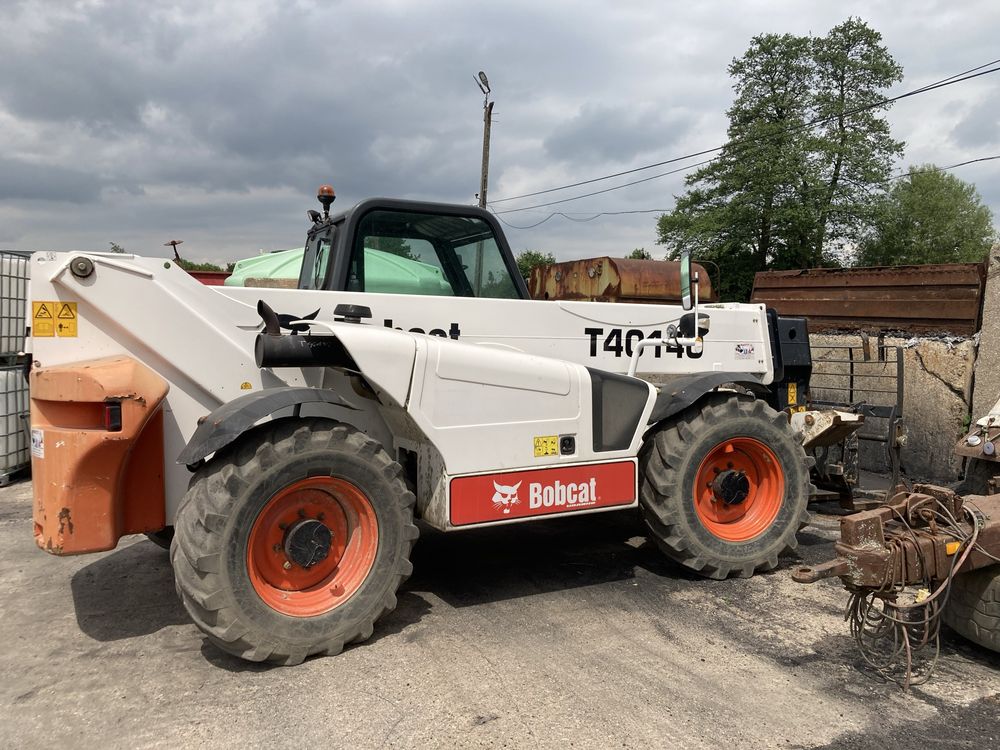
(307,542)
(731,487)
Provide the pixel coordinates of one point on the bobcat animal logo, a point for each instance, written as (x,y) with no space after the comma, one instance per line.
(505,497)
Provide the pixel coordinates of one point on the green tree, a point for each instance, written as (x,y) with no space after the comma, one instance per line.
(190,265)
(929,216)
(792,185)
(852,144)
(116,248)
(529,259)
(395,245)
(640,253)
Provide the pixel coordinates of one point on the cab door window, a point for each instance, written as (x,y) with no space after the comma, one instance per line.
(401,252)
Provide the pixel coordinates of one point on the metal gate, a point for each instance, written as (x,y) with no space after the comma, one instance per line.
(14,403)
(866,379)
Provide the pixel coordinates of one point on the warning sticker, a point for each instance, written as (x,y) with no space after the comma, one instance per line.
(43,319)
(546,445)
(37,443)
(66,319)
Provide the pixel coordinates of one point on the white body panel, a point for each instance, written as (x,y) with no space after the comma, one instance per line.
(475,409)
(738,340)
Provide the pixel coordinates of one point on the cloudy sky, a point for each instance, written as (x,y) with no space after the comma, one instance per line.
(213,122)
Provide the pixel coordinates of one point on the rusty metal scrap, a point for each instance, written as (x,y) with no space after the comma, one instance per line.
(609,279)
(898,562)
(944,298)
(902,542)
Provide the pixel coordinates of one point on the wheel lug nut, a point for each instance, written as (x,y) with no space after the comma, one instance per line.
(321,516)
(302,513)
(287,565)
(277,548)
(716,469)
(729,465)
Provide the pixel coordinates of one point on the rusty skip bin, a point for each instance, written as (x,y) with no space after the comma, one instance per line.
(610,279)
(943,298)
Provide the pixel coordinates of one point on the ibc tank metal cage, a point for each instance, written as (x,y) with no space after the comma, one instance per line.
(14,408)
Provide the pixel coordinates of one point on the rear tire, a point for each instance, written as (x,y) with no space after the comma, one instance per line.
(713,531)
(978,473)
(245,553)
(973,608)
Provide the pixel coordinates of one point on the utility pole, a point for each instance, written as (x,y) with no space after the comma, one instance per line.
(484,86)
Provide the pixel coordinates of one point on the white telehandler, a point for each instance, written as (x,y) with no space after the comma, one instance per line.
(288,439)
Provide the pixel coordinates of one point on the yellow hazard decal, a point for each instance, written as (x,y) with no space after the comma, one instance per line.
(546,445)
(43,319)
(53,318)
(66,319)
(793,394)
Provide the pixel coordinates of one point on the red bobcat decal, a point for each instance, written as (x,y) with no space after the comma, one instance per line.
(561,489)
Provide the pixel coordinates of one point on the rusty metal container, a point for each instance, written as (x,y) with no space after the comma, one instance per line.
(610,279)
(942,298)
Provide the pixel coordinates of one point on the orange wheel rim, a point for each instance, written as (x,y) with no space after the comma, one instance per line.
(285,553)
(739,489)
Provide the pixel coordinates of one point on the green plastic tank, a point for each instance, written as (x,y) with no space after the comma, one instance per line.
(387,273)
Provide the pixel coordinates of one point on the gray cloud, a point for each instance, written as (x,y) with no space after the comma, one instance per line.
(619,133)
(981,126)
(216,121)
(24,181)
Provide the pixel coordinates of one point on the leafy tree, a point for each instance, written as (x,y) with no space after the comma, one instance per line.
(529,259)
(640,253)
(793,183)
(116,248)
(395,245)
(853,145)
(930,216)
(189,265)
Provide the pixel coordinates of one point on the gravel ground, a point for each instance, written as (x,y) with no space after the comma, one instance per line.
(566,633)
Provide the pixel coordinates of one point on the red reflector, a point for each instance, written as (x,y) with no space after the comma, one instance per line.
(113,417)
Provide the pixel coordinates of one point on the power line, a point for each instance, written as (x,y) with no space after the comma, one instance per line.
(590,218)
(605,190)
(943,169)
(950,80)
(552,215)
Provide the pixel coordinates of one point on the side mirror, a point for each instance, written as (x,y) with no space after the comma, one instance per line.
(686,302)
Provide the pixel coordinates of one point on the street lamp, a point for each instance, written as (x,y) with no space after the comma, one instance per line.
(484,85)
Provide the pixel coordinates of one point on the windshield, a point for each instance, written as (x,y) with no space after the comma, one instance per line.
(403,252)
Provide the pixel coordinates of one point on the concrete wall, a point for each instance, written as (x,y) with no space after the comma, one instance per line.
(937,389)
(987,380)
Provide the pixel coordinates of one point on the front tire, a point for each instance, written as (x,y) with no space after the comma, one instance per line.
(973,608)
(293,541)
(725,486)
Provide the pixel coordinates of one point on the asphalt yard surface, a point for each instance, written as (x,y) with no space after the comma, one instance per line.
(569,633)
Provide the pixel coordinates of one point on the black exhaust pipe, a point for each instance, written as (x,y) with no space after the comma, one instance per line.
(271,350)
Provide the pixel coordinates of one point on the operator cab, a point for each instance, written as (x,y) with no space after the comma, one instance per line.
(409,247)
